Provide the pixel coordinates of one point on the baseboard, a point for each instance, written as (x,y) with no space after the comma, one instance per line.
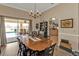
(11,42)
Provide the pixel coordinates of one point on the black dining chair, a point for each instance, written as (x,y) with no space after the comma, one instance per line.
(49,51)
(23,50)
(40,53)
(33,53)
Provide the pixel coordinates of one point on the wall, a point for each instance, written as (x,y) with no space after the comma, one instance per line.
(0,32)
(78,26)
(60,12)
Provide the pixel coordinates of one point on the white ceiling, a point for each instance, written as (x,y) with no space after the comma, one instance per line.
(30,6)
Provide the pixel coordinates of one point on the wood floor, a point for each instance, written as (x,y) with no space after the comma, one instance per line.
(12,48)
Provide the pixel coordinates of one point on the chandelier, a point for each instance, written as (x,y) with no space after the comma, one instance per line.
(35,13)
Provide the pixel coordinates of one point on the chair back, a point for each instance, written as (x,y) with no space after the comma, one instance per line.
(18,39)
(22,47)
(49,51)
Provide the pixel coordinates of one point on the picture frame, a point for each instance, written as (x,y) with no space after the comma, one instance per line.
(67,23)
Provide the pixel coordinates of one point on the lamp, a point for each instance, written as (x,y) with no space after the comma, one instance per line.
(35,13)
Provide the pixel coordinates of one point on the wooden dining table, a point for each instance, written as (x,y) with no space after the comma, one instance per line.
(40,45)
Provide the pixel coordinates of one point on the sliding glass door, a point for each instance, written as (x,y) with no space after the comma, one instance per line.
(13,27)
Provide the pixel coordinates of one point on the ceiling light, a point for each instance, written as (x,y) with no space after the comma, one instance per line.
(35,13)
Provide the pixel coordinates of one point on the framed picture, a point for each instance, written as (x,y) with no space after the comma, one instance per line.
(67,23)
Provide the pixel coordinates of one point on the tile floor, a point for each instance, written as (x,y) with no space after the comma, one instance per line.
(12,48)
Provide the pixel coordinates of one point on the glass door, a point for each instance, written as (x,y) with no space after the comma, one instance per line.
(11,29)
(14,27)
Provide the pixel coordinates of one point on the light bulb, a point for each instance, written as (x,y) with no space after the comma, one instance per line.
(31,10)
(53,18)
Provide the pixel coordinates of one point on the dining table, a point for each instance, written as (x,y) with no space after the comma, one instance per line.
(40,44)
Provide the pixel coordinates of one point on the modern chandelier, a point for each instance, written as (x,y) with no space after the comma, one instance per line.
(35,13)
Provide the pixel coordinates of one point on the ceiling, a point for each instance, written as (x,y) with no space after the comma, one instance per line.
(41,7)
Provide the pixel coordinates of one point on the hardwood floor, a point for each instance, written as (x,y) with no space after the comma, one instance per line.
(12,48)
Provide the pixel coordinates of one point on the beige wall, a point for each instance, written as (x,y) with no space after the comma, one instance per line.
(8,11)
(0,32)
(60,12)
(78,25)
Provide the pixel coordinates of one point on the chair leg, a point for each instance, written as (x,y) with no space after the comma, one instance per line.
(19,53)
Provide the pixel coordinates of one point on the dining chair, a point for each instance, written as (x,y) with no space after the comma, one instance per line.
(32,52)
(40,53)
(49,51)
(23,50)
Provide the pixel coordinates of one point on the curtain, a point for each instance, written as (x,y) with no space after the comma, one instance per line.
(2,31)
(30,27)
